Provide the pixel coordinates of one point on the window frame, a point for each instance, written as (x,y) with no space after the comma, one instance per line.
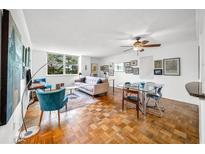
(64,63)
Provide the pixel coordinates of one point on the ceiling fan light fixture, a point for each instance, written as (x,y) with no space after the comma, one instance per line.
(136,48)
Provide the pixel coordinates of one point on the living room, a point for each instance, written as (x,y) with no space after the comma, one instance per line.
(99,59)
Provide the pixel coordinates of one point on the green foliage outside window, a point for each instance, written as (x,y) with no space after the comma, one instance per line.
(57,63)
(71,65)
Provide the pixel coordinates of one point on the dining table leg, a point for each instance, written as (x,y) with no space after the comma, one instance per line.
(144,103)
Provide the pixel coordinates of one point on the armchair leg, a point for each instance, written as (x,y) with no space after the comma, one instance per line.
(40,118)
(137,108)
(66,106)
(157,103)
(123,104)
(59,117)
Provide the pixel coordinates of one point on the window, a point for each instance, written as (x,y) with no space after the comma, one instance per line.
(71,65)
(62,64)
(56,64)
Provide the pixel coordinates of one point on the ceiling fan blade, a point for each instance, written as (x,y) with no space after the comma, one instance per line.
(127,49)
(125,46)
(152,45)
(141,50)
(145,41)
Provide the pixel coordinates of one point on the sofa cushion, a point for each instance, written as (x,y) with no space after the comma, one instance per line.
(91,80)
(88,87)
(82,79)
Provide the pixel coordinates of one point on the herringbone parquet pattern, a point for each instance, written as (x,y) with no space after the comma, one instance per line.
(104,122)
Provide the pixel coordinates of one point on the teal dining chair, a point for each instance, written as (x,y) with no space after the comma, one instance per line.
(52,101)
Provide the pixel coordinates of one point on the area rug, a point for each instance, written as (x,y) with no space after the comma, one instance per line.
(78,100)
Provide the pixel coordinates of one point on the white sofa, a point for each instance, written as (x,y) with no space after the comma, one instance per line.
(93,85)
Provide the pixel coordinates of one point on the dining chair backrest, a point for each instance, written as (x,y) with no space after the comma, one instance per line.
(127,83)
(159,91)
(51,100)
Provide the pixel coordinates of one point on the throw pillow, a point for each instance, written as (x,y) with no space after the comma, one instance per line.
(82,80)
(99,81)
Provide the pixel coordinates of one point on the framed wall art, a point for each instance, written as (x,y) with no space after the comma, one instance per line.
(172,66)
(11,67)
(105,68)
(158,64)
(127,64)
(134,63)
(128,70)
(157,71)
(94,68)
(111,72)
(136,71)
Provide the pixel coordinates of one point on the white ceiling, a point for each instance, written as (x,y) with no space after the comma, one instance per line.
(100,33)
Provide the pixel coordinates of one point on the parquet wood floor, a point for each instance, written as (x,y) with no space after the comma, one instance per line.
(104,122)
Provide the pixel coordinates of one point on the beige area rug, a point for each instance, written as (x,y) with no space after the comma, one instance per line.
(79,99)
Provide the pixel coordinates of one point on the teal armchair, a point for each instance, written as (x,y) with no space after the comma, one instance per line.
(51,101)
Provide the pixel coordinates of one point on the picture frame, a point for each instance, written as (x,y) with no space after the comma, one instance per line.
(134,63)
(136,71)
(105,68)
(158,64)
(158,71)
(126,64)
(171,66)
(11,67)
(128,70)
(94,68)
(23,55)
(28,56)
(111,72)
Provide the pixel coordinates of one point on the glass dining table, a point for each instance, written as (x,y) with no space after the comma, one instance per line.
(143,88)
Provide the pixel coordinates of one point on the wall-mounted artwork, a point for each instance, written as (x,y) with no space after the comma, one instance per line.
(119,67)
(158,64)
(23,55)
(172,66)
(157,71)
(126,64)
(94,68)
(128,70)
(28,57)
(11,67)
(136,71)
(111,72)
(105,68)
(111,66)
(101,68)
(23,72)
(134,63)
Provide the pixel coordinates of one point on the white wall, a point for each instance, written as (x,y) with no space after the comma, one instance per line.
(39,58)
(174,85)
(83,62)
(200,29)
(9,132)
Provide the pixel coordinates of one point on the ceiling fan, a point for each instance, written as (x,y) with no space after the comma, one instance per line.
(139,45)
